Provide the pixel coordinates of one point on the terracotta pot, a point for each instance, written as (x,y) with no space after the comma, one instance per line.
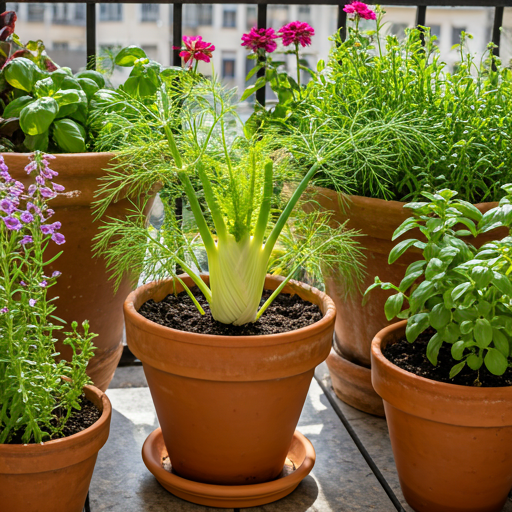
(356,324)
(228,405)
(84,290)
(54,476)
(452,444)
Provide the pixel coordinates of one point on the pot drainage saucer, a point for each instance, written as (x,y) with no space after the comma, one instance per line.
(299,462)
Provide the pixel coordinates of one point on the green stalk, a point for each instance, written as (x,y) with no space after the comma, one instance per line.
(261,223)
(173,147)
(274,235)
(211,200)
(298,68)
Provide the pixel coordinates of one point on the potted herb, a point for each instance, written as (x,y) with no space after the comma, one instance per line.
(396,122)
(228,368)
(444,373)
(52,423)
(48,108)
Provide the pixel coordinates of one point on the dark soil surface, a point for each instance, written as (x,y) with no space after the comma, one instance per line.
(286,313)
(413,358)
(79,420)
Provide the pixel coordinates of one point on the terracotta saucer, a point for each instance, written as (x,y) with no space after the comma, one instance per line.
(299,462)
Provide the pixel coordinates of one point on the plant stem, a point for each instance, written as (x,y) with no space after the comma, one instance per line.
(298,68)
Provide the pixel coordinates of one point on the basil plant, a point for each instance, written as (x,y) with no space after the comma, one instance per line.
(463,293)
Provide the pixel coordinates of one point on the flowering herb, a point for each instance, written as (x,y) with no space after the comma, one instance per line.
(297,32)
(36,401)
(195,49)
(260,39)
(359,10)
(463,293)
(203,152)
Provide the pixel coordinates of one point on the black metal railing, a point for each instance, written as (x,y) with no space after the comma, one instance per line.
(421,12)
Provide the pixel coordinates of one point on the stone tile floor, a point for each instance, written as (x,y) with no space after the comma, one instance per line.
(341,480)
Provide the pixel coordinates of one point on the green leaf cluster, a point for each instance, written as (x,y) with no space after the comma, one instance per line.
(463,293)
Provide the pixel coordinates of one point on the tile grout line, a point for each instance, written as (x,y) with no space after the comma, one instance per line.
(364,452)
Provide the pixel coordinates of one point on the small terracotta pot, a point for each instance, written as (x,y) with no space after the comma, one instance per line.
(84,289)
(228,405)
(53,476)
(357,324)
(452,444)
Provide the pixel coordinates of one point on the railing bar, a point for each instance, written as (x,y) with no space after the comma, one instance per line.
(177,32)
(496,32)
(91,35)
(262,23)
(3,7)
(342,20)
(421,15)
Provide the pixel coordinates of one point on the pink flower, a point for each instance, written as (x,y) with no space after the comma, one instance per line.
(27,239)
(27,217)
(58,238)
(4,310)
(43,283)
(359,9)
(12,223)
(7,206)
(196,49)
(32,302)
(58,188)
(297,32)
(260,38)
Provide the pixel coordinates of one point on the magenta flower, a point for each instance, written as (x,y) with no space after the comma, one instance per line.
(12,223)
(58,238)
(196,49)
(7,206)
(27,217)
(297,32)
(32,302)
(27,239)
(260,38)
(4,310)
(360,10)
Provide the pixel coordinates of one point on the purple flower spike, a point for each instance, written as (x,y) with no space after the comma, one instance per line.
(27,239)
(56,273)
(6,176)
(32,302)
(47,193)
(46,229)
(27,217)
(7,206)
(17,189)
(58,238)
(40,180)
(32,166)
(12,223)
(32,190)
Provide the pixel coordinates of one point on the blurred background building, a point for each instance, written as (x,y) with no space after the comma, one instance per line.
(62,28)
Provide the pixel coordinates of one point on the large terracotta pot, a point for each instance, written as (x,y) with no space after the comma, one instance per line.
(84,290)
(452,444)
(228,406)
(53,476)
(357,324)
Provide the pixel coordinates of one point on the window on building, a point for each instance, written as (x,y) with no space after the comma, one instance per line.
(13,6)
(150,12)
(60,45)
(398,29)
(304,13)
(456,32)
(111,12)
(60,13)
(435,30)
(252,16)
(229,15)
(151,50)
(205,15)
(228,64)
(80,13)
(35,12)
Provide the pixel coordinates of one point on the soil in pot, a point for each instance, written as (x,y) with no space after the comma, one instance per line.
(79,420)
(286,313)
(412,358)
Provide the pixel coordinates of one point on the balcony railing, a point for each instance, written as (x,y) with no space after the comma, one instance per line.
(421,12)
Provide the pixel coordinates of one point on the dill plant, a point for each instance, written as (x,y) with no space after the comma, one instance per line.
(189,140)
(398,121)
(36,399)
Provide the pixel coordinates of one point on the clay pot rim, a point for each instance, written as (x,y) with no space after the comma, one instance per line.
(62,155)
(444,388)
(231,341)
(390,203)
(65,443)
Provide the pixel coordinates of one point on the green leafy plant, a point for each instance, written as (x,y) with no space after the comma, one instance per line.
(37,394)
(398,121)
(463,293)
(189,139)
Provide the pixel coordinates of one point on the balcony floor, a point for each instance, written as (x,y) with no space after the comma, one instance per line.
(341,480)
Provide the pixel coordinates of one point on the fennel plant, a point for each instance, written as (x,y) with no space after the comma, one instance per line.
(190,140)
